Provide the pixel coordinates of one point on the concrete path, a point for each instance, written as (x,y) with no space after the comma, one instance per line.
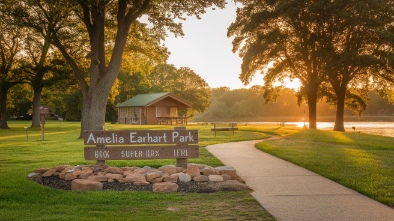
(290,192)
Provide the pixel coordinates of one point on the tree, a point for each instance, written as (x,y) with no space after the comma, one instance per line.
(9,49)
(182,82)
(107,25)
(280,34)
(357,39)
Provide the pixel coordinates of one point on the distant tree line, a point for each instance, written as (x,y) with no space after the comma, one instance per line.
(249,105)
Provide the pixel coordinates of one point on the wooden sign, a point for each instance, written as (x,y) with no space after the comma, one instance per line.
(141,152)
(126,145)
(140,137)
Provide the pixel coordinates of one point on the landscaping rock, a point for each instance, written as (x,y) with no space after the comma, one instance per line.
(79,184)
(215,178)
(193,170)
(140,179)
(184,177)
(165,187)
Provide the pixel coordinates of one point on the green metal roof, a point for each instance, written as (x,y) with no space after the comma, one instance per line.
(142,100)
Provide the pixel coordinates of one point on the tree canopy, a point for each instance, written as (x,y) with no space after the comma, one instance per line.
(324,43)
(97,32)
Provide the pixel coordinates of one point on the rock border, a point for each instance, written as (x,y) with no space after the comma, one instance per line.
(195,178)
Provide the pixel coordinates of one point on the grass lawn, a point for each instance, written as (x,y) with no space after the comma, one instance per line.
(362,162)
(21,199)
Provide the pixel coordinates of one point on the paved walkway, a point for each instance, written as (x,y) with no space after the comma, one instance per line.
(290,192)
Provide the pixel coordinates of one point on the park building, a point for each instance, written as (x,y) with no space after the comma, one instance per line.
(156,108)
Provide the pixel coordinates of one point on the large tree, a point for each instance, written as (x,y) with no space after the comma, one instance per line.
(278,39)
(10,46)
(107,25)
(357,48)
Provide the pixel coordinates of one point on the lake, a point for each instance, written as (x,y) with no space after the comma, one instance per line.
(380,128)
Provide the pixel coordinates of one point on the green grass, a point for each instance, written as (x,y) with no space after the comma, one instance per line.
(362,162)
(21,199)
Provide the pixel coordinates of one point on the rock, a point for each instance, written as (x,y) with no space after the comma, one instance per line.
(41,170)
(60,168)
(114,170)
(85,174)
(141,183)
(70,176)
(157,180)
(170,169)
(125,180)
(49,172)
(226,177)
(229,185)
(79,184)
(229,171)
(171,178)
(184,177)
(151,176)
(139,170)
(113,176)
(165,187)
(201,178)
(135,177)
(98,178)
(215,178)
(209,171)
(193,170)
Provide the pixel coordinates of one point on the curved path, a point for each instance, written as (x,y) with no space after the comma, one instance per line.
(290,192)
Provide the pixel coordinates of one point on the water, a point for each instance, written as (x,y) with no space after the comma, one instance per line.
(379,128)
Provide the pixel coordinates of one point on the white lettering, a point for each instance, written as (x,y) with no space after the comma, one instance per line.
(175,134)
(91,138)
(101,154)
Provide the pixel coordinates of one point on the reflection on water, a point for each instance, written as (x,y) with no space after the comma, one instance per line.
(380,128)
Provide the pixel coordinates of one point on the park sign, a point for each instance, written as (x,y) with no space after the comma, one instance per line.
(140,144)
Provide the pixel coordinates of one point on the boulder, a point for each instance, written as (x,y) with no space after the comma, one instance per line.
(136,177)
(215,178)
(229,185)
(151,176)
(98,178)
(170,169)
(165,187)
(79,184)
(171,178)
(184,177)
(114,170)
(201,178)
(41,170)
(70,176)
(193,170)
(209,171)
(49,172)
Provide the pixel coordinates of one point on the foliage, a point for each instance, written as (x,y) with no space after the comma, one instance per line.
(331,45)
(249,105)
(182,82)
(103,29)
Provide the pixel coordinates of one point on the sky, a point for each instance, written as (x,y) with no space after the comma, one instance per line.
(206,49)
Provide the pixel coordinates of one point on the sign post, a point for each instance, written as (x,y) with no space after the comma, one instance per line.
(43,112)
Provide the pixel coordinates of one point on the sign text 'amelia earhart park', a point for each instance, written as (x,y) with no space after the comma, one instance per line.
(111,145)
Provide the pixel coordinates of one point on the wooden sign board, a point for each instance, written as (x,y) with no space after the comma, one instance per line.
(141,152)
(137,137)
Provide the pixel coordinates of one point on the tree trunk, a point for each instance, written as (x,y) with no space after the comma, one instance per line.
(339,119)
(36,107)
(3,107)
(93,110)
(312,104)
